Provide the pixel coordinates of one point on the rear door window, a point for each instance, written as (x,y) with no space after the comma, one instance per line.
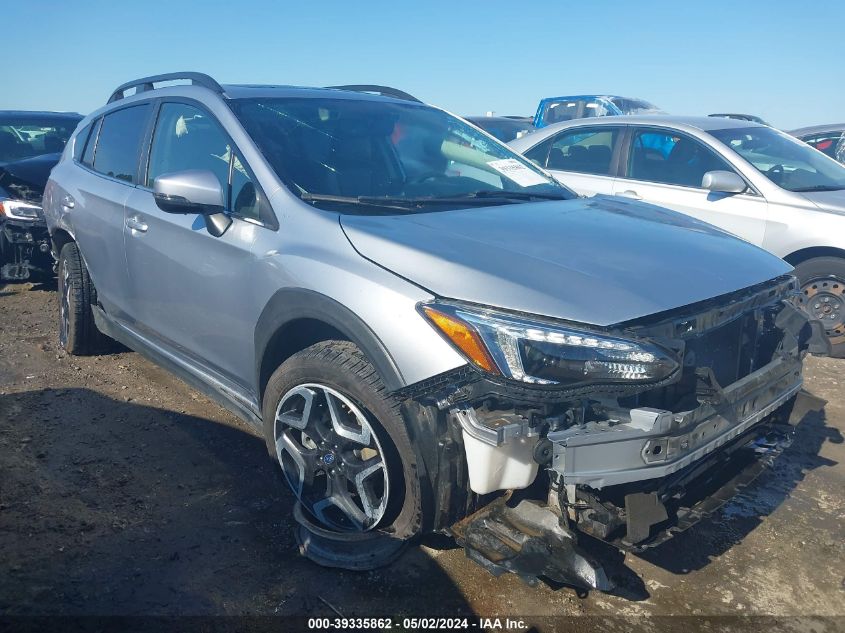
(671,158)
(119,142)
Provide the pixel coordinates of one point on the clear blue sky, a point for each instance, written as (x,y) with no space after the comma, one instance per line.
(782,60)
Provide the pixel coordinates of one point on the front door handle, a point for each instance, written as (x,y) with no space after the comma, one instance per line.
(134,222)
(68,202)
(628,193)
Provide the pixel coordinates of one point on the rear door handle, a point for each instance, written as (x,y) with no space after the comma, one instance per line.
(134,222)
(68,201)
(628,193)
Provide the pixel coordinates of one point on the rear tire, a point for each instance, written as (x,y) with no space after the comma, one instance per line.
(78,334)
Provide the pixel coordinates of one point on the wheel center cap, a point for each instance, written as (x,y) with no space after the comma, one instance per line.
(329,459)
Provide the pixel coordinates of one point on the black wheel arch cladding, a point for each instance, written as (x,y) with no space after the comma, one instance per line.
(290,305)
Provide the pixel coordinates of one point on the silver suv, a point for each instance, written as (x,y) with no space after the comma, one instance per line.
(431,333)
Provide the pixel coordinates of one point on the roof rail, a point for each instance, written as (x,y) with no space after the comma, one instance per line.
(146,83)
(384,91)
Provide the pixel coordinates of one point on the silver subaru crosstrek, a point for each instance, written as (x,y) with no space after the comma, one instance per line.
(431,333)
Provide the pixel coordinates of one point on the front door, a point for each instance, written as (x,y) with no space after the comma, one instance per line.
(191,291)
(666,167)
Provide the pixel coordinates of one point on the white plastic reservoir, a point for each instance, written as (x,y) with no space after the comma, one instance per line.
(504,467)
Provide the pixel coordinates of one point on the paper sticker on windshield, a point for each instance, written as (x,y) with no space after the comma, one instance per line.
(514,170)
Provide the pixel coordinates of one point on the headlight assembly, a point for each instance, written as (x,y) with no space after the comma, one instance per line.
(19,210)
(535,351)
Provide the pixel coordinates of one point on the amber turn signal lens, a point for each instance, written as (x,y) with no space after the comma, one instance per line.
(464,338)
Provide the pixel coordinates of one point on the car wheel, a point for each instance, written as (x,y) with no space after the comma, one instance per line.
(822,281)
(345,452)
(78,334)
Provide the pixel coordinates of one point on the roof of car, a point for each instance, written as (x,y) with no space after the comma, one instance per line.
(44,113)
(512,119)
(818,129)
(592,96)
(243,91)
(704,123)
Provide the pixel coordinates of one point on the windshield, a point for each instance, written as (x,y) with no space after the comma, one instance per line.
(346,151)
(24,137)
(786,161)
(503,129)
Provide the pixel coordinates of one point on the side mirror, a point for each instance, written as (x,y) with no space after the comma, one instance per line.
(193,191)
(723,182)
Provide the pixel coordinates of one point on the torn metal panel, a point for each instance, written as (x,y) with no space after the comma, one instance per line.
(24,249)
(530,541)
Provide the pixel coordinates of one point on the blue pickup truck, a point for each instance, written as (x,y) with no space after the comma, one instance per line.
(556,109)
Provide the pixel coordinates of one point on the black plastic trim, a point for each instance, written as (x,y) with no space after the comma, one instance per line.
(292,304)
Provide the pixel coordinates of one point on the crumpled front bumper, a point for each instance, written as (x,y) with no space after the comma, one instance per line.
(645,443)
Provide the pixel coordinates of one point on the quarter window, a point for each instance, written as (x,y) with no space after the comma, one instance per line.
(119,142)
(88,154)
(245,200)
(79,142)
(671,158)
(583,150)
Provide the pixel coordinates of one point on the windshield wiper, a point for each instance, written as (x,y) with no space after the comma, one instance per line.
(501,193)
(819,188)
(365,201)
(484,197)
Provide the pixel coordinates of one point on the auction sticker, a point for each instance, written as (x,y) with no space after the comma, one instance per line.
(514,170)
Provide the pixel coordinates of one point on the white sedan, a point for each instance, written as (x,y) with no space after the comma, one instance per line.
(752,180)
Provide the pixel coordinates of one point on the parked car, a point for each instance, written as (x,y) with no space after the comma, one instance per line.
(752,180)
(504,128)
(30,144)
(741,117)
(829,139)
(557,109)
(410,339)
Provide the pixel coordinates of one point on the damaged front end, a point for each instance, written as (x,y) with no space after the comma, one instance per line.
(633,433)
(24,241)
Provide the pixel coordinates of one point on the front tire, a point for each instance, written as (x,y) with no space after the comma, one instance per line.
(822,281)
(78,334)
(342,444)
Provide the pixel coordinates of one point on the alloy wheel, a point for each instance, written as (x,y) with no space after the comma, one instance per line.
(331,458)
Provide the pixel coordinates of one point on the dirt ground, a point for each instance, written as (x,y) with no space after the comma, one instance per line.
(123,492)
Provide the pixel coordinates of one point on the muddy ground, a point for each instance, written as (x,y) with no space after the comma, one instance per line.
(123,491)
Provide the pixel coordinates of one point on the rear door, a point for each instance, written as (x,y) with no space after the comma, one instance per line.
(191,291)
(665,167)
(582,158)
(95,195)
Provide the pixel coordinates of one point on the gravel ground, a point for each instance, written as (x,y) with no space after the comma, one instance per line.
(123,492)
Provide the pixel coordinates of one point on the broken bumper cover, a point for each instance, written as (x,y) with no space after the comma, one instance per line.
(643,444)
